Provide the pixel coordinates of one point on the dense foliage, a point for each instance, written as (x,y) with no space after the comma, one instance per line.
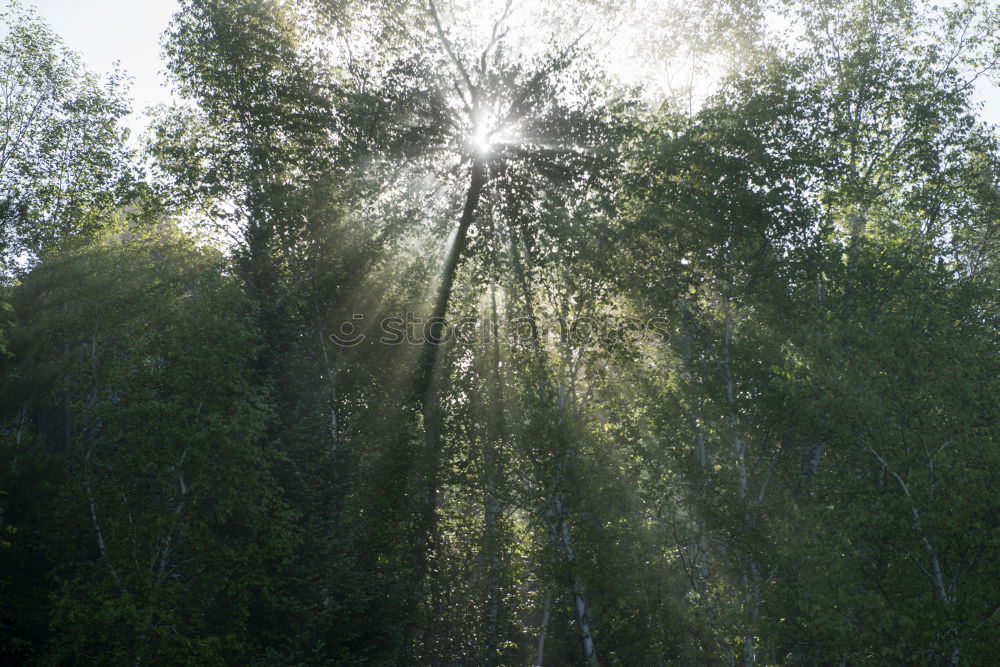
(419,334)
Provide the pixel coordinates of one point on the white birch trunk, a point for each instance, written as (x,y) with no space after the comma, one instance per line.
(546,611)
(580,602)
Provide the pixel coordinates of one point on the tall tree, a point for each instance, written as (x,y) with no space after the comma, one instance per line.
(64,164)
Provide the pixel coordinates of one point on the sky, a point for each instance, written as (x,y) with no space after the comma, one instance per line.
(103,31)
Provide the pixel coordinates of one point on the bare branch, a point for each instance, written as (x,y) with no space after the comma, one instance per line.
(453,56)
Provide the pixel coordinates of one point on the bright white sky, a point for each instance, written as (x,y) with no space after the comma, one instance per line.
(103,31)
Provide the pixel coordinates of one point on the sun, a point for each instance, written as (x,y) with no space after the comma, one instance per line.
(482,140)
(489,132)
(483,131)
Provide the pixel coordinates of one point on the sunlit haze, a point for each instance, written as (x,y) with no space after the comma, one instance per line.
(104,31)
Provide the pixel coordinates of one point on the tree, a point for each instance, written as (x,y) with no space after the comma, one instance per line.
(165,464)
(511,363)
(64,165)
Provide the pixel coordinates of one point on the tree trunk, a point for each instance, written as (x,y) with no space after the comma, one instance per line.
(425,371)
(564,539)
(425,394)
(546,611)
(495,438)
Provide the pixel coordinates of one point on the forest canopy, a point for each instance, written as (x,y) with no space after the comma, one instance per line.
(507,332)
